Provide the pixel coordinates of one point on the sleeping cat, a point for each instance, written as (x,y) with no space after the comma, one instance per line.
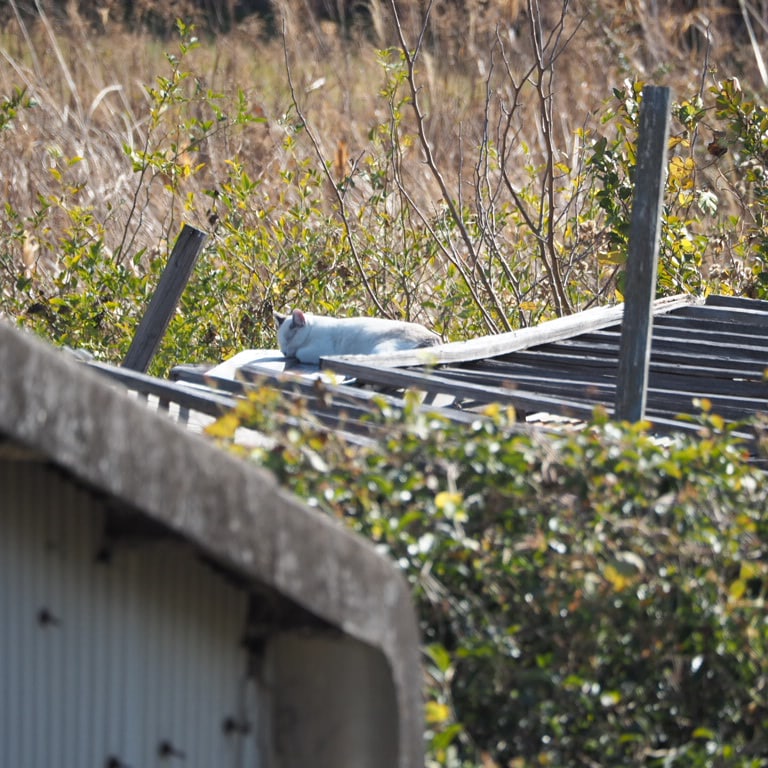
(309,337)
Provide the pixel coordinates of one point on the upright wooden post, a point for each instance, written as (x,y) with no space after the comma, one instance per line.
(165,299)
(637,324)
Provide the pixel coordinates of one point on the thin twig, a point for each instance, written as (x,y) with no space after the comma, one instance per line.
(410,59)
(329,176)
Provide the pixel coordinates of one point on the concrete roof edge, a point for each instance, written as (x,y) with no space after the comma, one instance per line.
(232,510)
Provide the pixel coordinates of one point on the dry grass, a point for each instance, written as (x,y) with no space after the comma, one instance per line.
(90,93)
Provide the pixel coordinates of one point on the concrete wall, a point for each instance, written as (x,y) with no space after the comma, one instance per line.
(331,703)
(343,682)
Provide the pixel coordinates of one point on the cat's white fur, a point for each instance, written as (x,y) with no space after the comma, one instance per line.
(309,337)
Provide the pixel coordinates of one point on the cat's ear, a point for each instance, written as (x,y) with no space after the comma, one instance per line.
(279,318)
(298,319)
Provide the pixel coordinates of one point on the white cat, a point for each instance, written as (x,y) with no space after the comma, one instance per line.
(309,337)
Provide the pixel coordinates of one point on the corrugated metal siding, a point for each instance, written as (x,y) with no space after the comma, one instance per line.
(106,660)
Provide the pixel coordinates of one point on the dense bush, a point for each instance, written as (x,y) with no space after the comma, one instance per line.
(595,598)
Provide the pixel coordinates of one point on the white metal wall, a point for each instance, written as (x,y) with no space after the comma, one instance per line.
(103,664)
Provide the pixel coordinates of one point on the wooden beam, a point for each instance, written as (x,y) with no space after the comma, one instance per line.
(172,283)
(642,259)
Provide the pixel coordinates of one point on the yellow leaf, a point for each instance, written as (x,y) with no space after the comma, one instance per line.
(616,579)
(446,500)
(737,589)
(675,140)
(436,712)
(225,427)
(749,571)
(613,257)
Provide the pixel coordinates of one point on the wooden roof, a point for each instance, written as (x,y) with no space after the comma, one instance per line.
(716,349)
(558,371)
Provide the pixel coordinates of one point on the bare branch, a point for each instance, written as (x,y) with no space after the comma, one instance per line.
(337,192)
(455,213)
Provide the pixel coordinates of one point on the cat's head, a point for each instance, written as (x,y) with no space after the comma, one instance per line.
(292,330)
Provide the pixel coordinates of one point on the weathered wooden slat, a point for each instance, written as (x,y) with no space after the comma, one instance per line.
(345,409)
(754,330)
(188,394)
(732,408)
(164,301)
(643,254)
(688,343)
(354,396)
(570,365)
(737,302)
(717,337)
(204,401)
(681,333)
(432,381)
(332,409)
(751,364)
(665,393)
(576,359)
(722,314)
(537,377)
(549,380)
(509,373)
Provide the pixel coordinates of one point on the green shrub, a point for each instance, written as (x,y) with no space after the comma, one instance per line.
(593,598)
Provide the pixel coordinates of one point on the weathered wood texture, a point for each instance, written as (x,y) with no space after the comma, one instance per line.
(716,350)
(642,259)
(165,299)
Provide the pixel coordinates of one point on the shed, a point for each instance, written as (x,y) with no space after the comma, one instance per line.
(165,603)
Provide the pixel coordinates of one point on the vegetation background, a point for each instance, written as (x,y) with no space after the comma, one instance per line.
(597,599)
(466,165)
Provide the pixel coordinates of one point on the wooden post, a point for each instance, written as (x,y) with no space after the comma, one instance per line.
(165,299)
(645,227)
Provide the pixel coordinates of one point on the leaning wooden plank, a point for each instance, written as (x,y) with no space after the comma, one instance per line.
(504,343)
(645,228)
(165,299)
